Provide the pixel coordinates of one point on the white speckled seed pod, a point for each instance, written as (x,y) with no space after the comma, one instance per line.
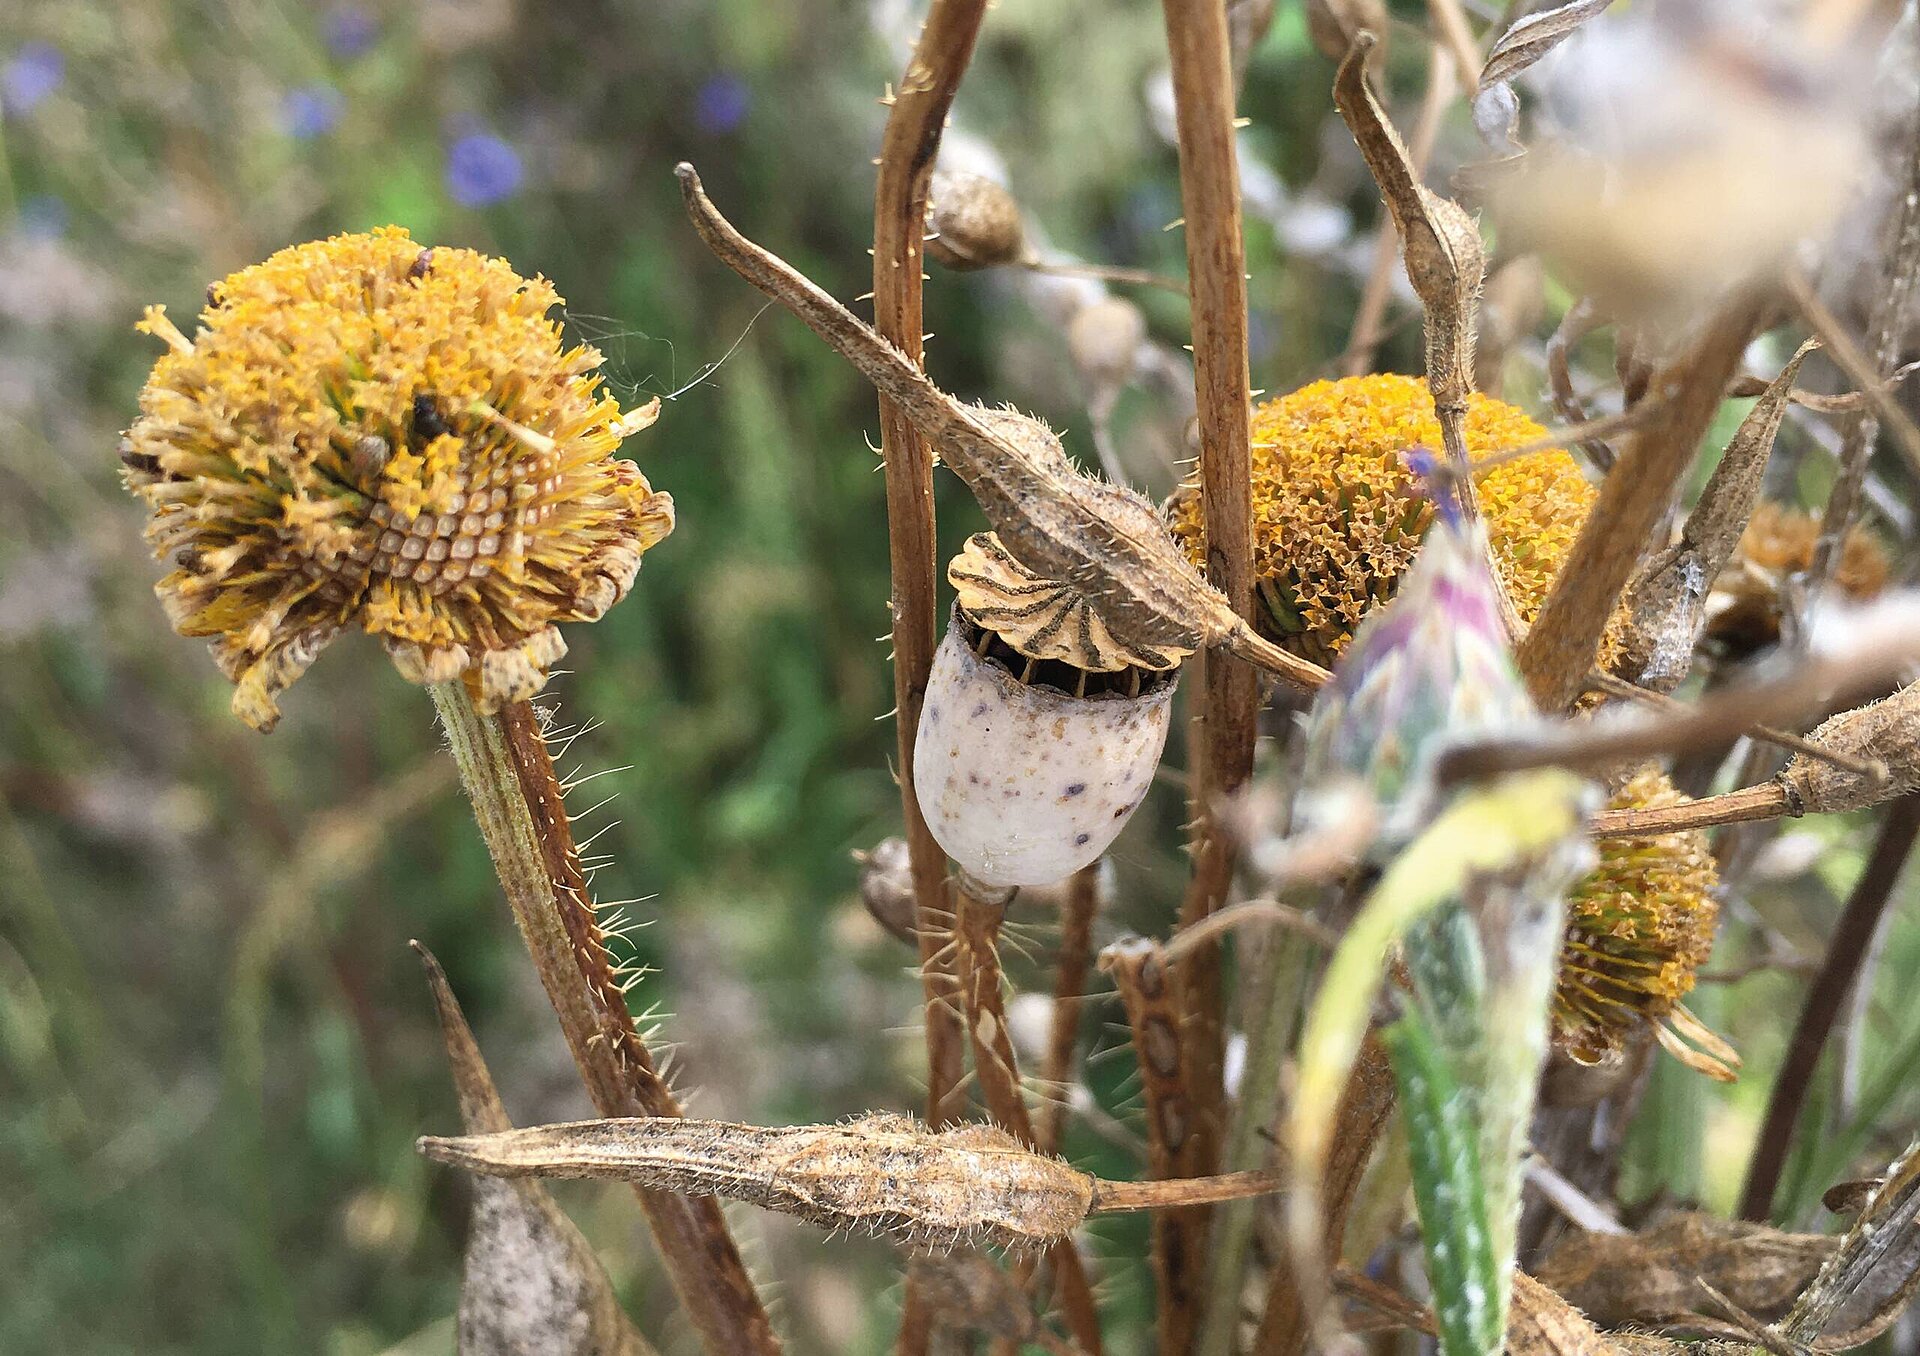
(1024,785)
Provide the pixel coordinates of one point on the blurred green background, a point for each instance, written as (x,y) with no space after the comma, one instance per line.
(215,1049)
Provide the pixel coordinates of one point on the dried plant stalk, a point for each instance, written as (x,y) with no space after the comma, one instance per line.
(1199,48)
(909,146)
(1074,957)
(971,1185)
(1152,997)
(1558,651)
(996,1068)
(516,799)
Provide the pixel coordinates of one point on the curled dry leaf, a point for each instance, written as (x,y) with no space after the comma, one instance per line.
(933,1190)
(1667,601)
(1649,1277)
(532,1285)
(1532,36)
(1445,259)
(1106,542)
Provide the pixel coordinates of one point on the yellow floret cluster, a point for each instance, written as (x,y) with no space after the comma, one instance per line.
(1639,927)
(364,432)
(1337,518)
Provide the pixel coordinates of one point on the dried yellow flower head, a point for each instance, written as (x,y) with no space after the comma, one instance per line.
(1639,927)
(1337,517)
(1744,609)
(367,433)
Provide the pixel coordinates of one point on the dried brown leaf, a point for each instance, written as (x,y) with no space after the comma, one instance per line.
(1532,36)
(1649,1277)
(531,1284)
(1668,598)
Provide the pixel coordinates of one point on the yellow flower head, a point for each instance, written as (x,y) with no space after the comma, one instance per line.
(1639,927)
(1337,517)
(364,432)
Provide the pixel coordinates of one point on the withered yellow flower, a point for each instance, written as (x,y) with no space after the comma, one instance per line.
(1639,927)
(367,433)
(1337,517)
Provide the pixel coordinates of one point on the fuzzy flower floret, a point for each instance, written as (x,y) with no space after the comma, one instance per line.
(365,433)
(1337,517)
(1639,927)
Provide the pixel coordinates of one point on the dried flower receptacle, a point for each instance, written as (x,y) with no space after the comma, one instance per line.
(366,433)
(1639,927)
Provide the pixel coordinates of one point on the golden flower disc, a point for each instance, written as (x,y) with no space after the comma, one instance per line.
(1639,927)
(1337,517)
(364,432)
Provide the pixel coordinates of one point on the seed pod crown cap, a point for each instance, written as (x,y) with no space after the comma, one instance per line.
(365,433)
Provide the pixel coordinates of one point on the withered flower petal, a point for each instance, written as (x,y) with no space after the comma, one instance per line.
(364,433)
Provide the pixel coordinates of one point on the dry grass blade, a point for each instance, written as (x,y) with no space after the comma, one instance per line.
(531,1280)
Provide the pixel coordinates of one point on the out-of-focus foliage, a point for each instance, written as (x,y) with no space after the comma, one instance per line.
(215,1051)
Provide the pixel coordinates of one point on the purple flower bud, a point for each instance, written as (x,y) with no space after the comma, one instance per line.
(1431,665)
(482,170)
(311,111)
(721,104)
(36,70)
(350,31)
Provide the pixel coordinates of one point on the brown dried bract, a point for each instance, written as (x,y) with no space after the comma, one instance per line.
(934,1190)
(1104,541)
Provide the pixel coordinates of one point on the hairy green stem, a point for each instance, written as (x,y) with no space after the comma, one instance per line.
(516,799)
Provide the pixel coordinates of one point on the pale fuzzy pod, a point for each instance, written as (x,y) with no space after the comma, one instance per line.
(1025,785)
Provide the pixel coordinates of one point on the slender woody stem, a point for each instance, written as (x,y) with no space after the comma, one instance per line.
(996,1068)
(1852,936)
(1199,46)
(516,799)
(908,148)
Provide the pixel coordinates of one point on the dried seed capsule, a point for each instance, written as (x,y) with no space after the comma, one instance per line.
(972,222)
(1040,732)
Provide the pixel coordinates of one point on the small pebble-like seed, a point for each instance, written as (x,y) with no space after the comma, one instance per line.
(489,545)
(390,541)
(463,548)
(413,548)
(437,549)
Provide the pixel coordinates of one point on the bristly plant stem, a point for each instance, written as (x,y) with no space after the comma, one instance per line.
(516,798)
(1559,649)
(1072,960)
(1852,936)
(1153,998)
(908,149)
(996,1068)
(1199,46)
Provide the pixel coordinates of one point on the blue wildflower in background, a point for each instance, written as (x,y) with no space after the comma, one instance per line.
(34,72)
(43,217)
(482,169)
(350,31)
(721,104)
(311,111)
